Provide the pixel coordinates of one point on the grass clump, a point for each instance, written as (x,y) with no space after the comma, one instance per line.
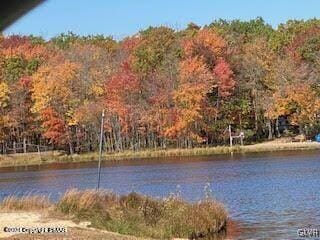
(87,204)
(143,216)
(131,214)
(25,203)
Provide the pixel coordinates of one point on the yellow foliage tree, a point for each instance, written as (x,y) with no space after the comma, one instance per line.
(55,85)
(299,102)
(4,95)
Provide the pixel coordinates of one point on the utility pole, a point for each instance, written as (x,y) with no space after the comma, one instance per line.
(230,135)
(100,148)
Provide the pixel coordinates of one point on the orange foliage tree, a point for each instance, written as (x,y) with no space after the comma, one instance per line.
(204,74)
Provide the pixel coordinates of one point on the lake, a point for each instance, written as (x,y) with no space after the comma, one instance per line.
(270,195)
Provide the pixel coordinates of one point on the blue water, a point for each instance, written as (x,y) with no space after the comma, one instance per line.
(271,196)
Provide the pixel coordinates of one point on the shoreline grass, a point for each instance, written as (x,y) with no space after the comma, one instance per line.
(15,160)
(133,214)
(27,202)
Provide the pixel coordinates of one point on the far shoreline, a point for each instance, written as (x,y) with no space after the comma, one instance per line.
(47,158)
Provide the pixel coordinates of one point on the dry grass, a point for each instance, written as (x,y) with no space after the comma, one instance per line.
(277,145)
(142,216)
(25,203)
(59,157)
(131,214)
(26,159)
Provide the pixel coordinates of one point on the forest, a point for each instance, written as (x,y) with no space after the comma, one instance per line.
(160,88)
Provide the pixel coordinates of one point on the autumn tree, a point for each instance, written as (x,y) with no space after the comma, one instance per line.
(160,87)
(300,103)
(205,78)
(21,57)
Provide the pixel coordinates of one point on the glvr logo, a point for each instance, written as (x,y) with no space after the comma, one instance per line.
(308,232)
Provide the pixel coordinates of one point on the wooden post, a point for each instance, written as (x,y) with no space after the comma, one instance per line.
(230,135)
(100,148)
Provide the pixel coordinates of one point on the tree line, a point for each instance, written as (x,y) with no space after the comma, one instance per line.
(161,87)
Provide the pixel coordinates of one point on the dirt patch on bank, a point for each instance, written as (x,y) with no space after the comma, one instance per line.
(41,220)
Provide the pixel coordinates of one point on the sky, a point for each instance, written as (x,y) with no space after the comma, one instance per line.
(121,18)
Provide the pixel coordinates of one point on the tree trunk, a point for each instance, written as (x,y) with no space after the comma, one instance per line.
(277,128)
(254,103)
(24,144)
(71,148)
(269,124)
(301,129)
(14,147)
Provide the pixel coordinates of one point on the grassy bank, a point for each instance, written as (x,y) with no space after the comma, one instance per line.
(58,157)
(131,214)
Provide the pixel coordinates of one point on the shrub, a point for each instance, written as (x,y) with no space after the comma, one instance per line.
(143,216)
(87,204)
(133,214)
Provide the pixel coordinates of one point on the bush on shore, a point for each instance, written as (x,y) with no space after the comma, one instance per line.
(131,214)
(143,216)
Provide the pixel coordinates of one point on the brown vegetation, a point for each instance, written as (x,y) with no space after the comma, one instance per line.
(26,203)
(142,216)
(59,157)
(132,214)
